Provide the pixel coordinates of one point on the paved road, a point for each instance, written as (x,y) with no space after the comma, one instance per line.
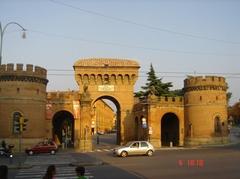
(207,163)
(219,163)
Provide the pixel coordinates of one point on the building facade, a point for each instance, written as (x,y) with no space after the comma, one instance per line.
(197,118)
(72,117)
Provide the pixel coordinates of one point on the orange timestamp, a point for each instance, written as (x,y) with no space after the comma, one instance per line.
(199,163)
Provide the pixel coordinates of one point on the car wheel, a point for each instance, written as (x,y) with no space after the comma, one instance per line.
(52,152)
(124,154)
(30,152)
(149,153)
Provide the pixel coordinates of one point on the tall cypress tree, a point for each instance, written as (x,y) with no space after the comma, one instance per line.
(154,85)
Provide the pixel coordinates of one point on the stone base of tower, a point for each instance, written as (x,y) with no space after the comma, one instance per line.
(155,142)
(206,141)
(85,145)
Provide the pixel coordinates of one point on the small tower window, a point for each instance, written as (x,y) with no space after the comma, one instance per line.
(217,125)
(200,98)
(37,91)
(216,97)
(18,90)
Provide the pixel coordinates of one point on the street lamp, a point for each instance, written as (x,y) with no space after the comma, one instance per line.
(3,29)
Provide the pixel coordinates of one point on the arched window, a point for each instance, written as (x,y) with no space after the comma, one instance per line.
(217,125)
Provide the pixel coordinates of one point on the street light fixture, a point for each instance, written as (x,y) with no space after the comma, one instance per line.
(3,29)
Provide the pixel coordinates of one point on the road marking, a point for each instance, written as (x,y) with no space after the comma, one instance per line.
(63,172)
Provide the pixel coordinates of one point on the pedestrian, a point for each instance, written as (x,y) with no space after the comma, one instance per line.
(3,172)
(80,170)
(50,173)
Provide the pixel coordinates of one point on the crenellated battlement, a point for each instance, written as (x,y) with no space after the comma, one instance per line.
(170,100)
(201,83)
(204,80)
(36,74)
(18,69)
(63,95)
(166,100)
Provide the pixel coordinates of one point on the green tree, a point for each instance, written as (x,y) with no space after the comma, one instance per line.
(229,95)
(177,92)
(154,85)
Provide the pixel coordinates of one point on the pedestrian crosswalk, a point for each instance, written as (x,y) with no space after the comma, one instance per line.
(46,159)
(63,172)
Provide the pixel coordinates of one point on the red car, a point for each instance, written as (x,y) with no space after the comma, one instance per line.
(43,147)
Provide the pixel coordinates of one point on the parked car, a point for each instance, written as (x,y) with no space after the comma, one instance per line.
(43,147)
(134,148)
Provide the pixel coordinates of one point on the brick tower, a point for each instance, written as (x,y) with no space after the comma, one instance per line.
(205,110)
(22,92)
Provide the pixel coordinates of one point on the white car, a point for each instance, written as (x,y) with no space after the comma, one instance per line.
(134,148)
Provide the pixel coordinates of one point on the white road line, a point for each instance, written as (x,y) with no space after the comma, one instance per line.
(38,172)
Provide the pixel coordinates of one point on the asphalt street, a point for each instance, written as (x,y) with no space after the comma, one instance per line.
(210,162)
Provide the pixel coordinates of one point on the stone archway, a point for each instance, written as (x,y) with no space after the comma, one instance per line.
(118,114)
(99,77)
(63,128)
(169,129)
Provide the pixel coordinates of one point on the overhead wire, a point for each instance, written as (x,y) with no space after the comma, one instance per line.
(130,46)
(144,25)
(163,74)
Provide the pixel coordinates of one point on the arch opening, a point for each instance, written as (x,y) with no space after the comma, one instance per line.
(63,128)
(105,122)
(217,126)
(170,130)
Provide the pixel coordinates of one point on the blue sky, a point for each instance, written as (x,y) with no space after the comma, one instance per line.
(187,36)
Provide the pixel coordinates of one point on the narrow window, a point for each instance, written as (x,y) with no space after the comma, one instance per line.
(217,125)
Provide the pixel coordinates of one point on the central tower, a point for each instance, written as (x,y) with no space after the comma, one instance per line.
(114,79)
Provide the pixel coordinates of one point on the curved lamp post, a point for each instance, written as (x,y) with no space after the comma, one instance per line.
(3,29)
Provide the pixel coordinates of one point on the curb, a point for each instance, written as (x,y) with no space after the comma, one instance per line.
(199,147)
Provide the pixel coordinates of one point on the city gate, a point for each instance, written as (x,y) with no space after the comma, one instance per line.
(105,78)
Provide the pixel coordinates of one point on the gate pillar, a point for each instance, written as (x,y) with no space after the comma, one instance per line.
(85,142)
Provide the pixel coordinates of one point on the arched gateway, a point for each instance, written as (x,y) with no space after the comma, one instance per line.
(112,78)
